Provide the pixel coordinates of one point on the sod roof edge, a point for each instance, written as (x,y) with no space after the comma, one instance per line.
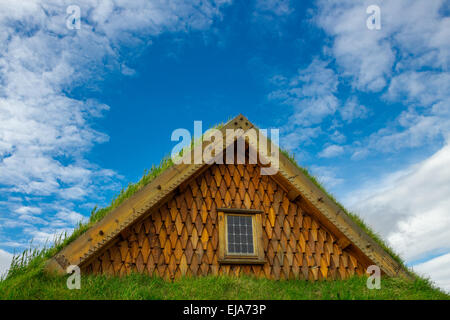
(166,164)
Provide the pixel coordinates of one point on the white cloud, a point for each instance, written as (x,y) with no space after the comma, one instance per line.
(337,137)
(365,55)
(418,130)
(28,210)
(273,7)
(420,88)
(5,262)
(45,134)
(42,59)
(326,175)
(414,31)
(410,208)
(70,216)
(11,244)
(331,151)
(409,57)
(30,219)
(311,94)
(304,136)
(352,109)
(45,236)
(437,269)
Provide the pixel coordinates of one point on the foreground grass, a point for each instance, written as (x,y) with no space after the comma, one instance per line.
(42,286)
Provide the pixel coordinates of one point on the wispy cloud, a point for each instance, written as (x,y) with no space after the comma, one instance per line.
(410,207)
(352,110)
(406,61)
(309,97)
(273,8)
(5,262)
(438,269)
(413,32)
(331,151)
(326,175)
(46,132)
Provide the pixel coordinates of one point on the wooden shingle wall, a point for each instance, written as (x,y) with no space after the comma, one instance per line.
(181,237)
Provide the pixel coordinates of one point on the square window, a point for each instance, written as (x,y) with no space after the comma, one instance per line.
(240,236)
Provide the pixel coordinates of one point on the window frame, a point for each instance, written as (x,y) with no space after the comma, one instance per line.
(240,258)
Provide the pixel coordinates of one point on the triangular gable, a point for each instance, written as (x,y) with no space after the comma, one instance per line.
(157,191)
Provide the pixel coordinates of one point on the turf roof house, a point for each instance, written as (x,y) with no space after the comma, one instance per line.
(214,219)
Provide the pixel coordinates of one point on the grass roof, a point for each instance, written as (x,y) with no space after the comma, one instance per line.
(28,266)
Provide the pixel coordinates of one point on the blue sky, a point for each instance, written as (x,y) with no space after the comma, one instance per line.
(84,112)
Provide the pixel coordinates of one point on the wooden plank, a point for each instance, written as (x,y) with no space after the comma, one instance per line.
(293,194)
(221,226)
(343,243)
(240,210)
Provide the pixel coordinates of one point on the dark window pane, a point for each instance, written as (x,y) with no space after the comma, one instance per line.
(240,234)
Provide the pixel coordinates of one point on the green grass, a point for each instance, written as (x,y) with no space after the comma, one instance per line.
(43,286)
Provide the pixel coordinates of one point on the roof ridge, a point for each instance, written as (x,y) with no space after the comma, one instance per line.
(110,226)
